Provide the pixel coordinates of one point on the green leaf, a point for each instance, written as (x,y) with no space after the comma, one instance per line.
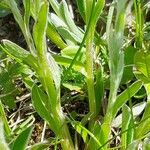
(68,20)
(50,77)
(146,144)
(78,66)
(39,30)
(131,132)
(99,86)
(22,139)
(54,36)
(126,95)
(45,144)
(24,125)
(68,36)
(129,62)
(27,12)
(147,109)
(40,146)
(4,120)
(126,118)
(56,6)
(55,70)
(20,20)
(84,132)
(81,7)
(70,52)
(3,144)
(8,89)
(136,110)
(142,63)
(72,87)
(97,11)
(92,144)
(18,53)
(35,8)
(41,104)
(143,127)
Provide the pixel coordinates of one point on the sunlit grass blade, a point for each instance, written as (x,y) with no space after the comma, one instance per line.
(126,118)
(124,96)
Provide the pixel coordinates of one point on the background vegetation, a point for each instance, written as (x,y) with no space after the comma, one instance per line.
(77,77)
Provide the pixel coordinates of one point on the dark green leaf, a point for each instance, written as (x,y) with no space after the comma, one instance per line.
(22,140)
(41,104)
(81,7)
(129,61)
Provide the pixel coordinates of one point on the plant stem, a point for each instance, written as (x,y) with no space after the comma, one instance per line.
(64,133)
(89,70)
(139,23)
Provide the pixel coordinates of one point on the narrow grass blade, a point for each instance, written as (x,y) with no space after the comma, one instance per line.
(81,7)
(92,144)
(99,5)
(40,146)
(27,12)
(56,6)
(4,120)
(84,132)
(124,96)
(126,118)
(44,145)
(131,132)
(143,127)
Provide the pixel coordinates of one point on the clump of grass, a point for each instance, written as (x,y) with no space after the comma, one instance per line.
(101,59)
